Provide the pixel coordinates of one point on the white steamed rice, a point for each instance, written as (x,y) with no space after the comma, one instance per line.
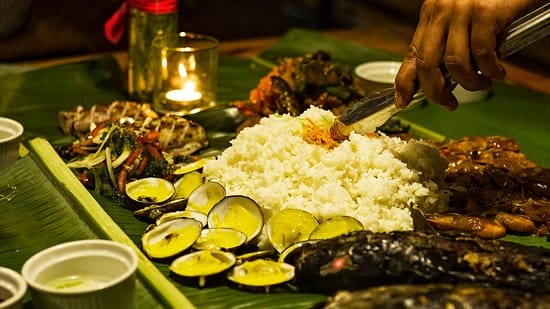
(369,178)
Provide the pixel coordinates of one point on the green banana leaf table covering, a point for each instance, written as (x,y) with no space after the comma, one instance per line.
(41,204)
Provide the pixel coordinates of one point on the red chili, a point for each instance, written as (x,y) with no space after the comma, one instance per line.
(127,167)
(151,137)
(142,165)
(154,152)
(77,149)
(158,146)
(122,175)
(86,142)
(133,156)
(80,151)
(97,129)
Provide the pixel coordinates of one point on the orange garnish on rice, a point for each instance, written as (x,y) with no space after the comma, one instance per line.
(313,134)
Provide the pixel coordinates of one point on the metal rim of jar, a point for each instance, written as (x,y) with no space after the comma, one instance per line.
(211,42)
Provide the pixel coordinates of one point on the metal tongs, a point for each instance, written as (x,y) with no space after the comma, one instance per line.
(373,111)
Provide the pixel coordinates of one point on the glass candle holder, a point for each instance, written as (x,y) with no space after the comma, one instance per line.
(186,74)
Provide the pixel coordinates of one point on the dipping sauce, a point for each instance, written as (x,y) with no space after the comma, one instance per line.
(79,283)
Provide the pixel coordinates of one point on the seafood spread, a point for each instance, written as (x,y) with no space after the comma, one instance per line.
(494,186)
(363,259)
(436,296)
(177,134)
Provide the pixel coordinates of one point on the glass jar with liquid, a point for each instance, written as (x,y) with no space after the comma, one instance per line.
(150,20)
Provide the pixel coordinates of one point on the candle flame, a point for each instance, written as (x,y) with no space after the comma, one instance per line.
(182,70)
(187,93)
(192,63)
(189,86)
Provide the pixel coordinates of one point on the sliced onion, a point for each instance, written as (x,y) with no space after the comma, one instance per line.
(110,165)
(88,161)
(123,156)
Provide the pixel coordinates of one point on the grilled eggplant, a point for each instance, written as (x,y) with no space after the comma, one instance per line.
(437,296)
(364,259)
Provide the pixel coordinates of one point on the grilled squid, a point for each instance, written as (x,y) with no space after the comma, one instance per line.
(178,135)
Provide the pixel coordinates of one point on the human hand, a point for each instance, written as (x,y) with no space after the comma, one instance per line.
(457,36)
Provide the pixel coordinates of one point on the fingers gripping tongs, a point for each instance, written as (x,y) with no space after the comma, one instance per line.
(367,114)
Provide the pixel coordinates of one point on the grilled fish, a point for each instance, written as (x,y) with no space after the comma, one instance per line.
(364,259)
(437,296)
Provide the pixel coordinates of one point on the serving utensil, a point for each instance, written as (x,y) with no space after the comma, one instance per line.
(371,112)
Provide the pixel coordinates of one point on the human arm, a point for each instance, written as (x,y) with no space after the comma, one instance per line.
(460,37)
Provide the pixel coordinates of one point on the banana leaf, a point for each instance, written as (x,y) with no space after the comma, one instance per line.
(37,211)
(43,204)
(299,41)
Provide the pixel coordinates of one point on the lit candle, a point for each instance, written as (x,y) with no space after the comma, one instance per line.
(186,94)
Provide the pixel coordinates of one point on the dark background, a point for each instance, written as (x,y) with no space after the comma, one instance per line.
(42,29)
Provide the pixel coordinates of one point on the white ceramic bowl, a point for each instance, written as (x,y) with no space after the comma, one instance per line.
(378,75)
(83,274)
(465,96)
(12,289)
(11,133)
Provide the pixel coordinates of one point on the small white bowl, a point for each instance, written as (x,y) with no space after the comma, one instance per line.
(379,72)
(379,75)
(83,274)
(12,289)
(11,133)
(465,96)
